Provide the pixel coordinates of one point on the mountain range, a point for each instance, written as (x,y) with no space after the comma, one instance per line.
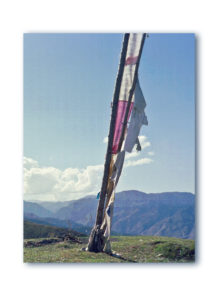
(135,213)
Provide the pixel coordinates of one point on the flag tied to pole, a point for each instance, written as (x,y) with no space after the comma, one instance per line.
(131,105)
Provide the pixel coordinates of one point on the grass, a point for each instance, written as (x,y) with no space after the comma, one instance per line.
(138,249)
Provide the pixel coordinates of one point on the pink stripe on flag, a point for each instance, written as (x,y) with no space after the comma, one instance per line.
(131,60)
(122,106)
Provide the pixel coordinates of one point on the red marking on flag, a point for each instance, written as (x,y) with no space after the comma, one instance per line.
(121,110)
(131,60)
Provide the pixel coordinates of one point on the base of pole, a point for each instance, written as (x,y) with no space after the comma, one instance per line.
(96,240)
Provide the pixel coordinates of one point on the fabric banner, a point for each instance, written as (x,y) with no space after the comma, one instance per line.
(121,110)
(132,56)
(138,118)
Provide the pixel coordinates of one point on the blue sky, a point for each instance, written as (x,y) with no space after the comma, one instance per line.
(68,86)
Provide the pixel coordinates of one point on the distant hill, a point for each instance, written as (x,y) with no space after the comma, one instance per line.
(37,209)
(136,213)
(58,223)
(165,214)
(33,230)
(53,207)
(82,211)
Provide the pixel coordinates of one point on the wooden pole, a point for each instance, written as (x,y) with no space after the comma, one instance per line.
(95,240)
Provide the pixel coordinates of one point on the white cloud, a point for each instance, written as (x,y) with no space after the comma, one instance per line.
(29,163)
(52,184)
(131,157)
(105,140)
(151,153)
(40,180)
(134,153)
(144,142)
(142,161)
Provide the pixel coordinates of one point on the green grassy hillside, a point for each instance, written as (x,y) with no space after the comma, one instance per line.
(134,249)
(33,230)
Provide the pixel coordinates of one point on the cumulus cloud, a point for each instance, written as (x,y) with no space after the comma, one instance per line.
(144,141)
(40,180)
(52,184)
(29,163)
(142,161)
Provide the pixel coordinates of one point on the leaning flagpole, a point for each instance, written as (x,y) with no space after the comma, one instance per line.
(95,243)
(122,107)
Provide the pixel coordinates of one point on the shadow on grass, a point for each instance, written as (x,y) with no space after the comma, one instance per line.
(116,255)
